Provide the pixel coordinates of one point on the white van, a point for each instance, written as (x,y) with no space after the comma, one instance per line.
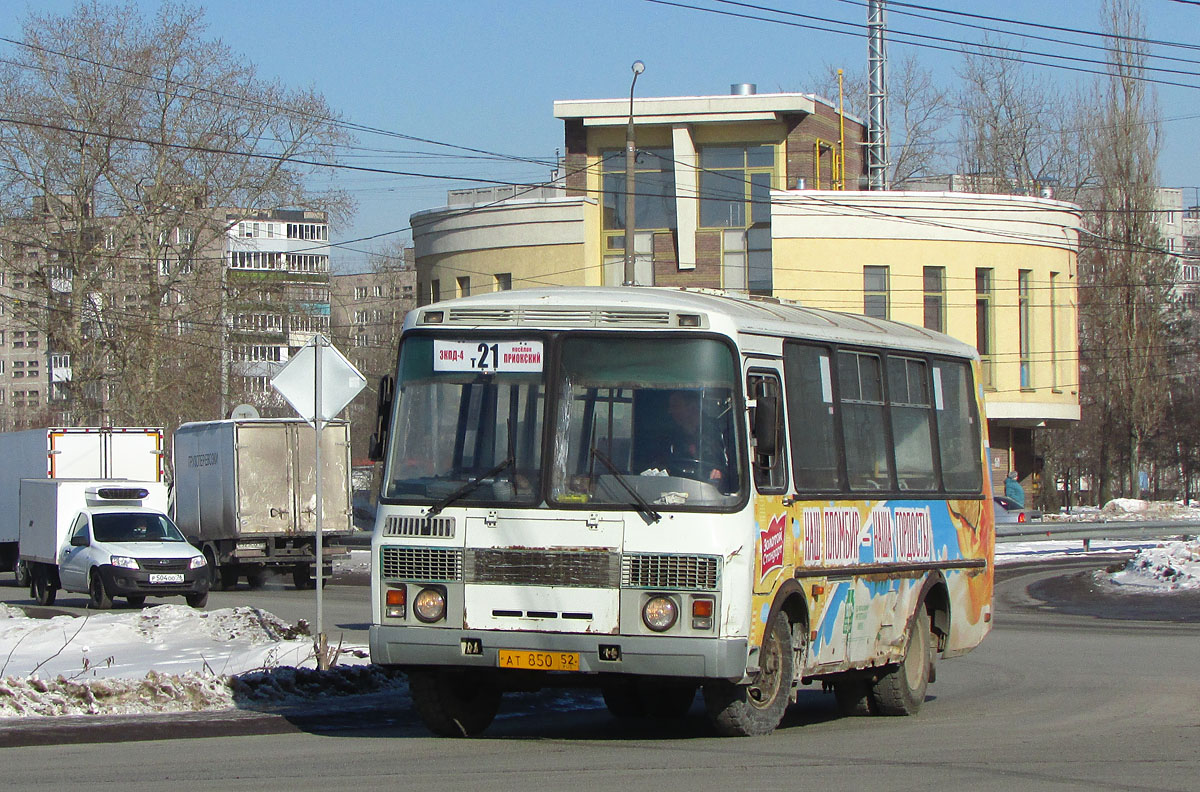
(106,539)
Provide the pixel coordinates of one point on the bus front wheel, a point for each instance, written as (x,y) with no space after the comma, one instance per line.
(901,690)
(454,703)
(757,708)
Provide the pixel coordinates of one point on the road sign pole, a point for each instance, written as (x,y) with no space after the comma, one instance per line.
(318,423)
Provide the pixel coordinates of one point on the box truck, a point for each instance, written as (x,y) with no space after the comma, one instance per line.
(89,452)
(245,495)
(106,538)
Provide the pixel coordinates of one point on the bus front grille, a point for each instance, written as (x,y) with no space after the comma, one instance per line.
(663,571)
(421,563)
(575,568)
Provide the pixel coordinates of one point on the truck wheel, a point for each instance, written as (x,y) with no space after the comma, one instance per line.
(757,708)
(454,703)
(901,691)
(42,590)
(257,578)
(197,600)
(21,571)
(98,594)
(302,577)
(136,600)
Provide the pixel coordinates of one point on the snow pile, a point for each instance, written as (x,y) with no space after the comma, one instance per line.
(170,639)
(1172,566)
(154,693)
(169,658)
(1129,510)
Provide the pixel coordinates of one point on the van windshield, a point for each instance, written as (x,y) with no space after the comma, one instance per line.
(134,527)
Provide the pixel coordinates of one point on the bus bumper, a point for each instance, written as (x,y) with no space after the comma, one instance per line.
(698,658)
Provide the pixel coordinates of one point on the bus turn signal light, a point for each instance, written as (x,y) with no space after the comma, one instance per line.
(397,602)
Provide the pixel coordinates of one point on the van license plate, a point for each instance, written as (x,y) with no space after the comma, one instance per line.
(539,661)
(166,577)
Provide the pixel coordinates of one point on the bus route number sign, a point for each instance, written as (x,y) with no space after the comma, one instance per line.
(487,356)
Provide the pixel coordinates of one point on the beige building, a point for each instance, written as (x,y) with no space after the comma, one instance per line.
(732,193)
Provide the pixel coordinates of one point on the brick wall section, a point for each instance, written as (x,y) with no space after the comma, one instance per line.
(823,124)
(575,140)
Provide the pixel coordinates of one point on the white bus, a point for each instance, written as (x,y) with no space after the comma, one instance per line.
(655,491)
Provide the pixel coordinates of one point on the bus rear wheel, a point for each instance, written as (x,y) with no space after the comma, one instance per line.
(757,708)
(901,690)
(454,703)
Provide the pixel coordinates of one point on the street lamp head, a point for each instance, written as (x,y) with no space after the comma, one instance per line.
(638,67)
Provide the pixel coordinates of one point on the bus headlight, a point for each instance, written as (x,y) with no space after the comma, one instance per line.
(659,613)
(430,605)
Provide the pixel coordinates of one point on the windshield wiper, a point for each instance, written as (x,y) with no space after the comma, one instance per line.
(469,487)
(643,508)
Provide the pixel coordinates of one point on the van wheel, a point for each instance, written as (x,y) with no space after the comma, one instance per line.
(454,703)
(41,589)
(99,596)
(197,600)
(757,708)
(136,600)
(901,690)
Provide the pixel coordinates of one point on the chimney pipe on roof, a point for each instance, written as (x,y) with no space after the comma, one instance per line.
(743,89)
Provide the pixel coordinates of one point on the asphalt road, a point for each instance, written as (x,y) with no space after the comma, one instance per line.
(1055,699)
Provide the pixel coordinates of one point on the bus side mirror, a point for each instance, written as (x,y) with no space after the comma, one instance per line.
(766,426)
(383,418)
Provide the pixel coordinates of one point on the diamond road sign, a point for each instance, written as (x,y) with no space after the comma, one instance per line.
(340,381)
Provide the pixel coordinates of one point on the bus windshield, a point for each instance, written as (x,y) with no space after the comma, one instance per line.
(652,414)
(465,428)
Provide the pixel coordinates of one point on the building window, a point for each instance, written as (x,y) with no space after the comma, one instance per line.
(503,281)
(654,183)
(735,193)
(377,290)
(1024,327)
(435,290)
(360,292)
(935,298)
(984,322)
(1054,383)
(875,292)
(464,286)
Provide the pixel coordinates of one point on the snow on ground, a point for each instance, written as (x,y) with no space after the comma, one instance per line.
(1129,510)
(1172,566)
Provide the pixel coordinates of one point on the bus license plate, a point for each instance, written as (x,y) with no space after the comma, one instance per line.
(166,577)
(539,661)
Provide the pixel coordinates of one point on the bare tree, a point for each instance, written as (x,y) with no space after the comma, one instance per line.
(1018,133)
(919,110)
(1126,290)
(123,142)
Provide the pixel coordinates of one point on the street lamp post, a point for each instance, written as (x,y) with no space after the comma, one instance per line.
(630,158)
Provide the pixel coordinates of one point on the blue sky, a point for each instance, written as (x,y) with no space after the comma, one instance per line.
(485,74)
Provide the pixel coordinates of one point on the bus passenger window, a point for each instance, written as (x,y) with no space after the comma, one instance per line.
(809,380)
(908,400)
(860,387)
(958,427)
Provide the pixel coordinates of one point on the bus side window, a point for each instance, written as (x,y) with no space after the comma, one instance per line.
(811,414)
(770,469)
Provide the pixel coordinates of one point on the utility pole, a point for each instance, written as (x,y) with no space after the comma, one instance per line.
(877,143)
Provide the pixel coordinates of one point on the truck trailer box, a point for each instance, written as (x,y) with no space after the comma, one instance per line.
(245,493)
(77,452)
(48,507)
